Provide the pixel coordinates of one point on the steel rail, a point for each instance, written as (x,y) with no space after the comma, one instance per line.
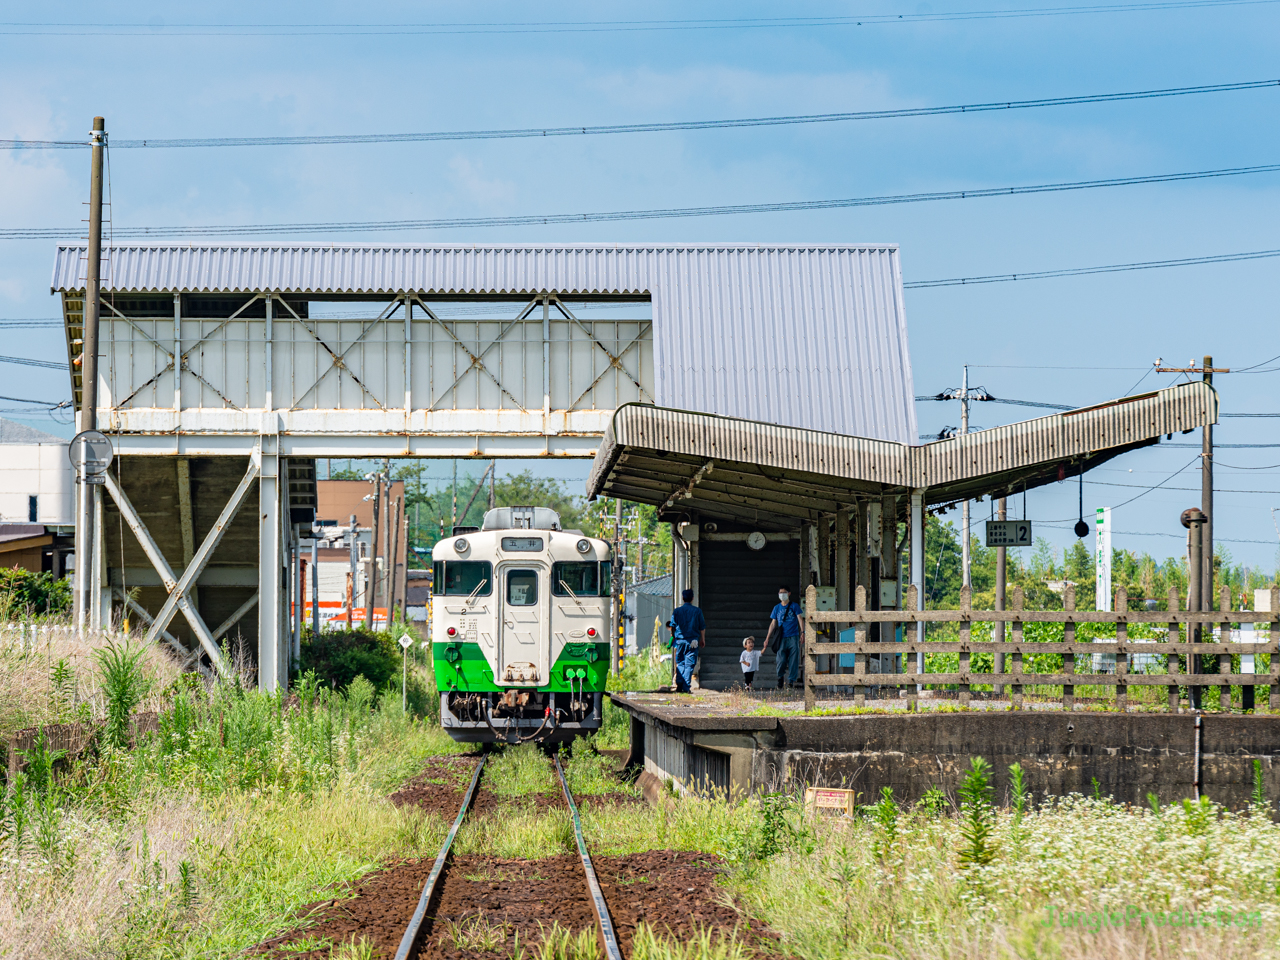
(410,938)
(607,935)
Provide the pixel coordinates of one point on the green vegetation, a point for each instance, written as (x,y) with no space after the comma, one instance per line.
(337,657)
(205,837)
(33,596)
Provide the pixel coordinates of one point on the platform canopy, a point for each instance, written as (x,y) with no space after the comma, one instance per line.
(778,478)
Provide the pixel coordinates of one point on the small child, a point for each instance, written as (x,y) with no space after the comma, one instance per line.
(750,660)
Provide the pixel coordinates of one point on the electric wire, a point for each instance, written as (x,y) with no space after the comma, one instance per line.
(160,29)
(609,129)
(382,226)
(1087,271)
(24,361)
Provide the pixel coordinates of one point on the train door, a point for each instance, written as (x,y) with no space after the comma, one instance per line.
(524,647)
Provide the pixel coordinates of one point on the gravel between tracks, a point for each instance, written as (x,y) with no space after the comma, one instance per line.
(441,786)
(673,892)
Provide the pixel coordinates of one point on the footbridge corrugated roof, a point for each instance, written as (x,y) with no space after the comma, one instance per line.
(810,335)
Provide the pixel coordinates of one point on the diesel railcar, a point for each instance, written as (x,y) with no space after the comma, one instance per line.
(520,628)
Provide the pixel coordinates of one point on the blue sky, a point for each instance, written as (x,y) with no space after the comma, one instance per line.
(1099,334)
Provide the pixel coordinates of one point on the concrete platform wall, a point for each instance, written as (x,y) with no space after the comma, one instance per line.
(1130,755)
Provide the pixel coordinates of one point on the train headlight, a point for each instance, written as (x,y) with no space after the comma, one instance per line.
(591,631)
(452,631)
(584,546)
(461,545)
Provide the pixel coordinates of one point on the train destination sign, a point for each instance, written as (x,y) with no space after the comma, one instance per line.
(1009,533)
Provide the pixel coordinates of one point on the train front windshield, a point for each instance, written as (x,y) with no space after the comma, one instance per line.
(460,578)
(583,579)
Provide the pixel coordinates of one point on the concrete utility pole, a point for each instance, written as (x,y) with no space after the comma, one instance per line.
(618,560)
(1206,503)
(1206,482)
(1194,521)
(1002,513)
(371,583)
(351,574)
(85,540)
(964,523)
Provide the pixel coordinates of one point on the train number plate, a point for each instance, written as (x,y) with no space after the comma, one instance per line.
(522,544)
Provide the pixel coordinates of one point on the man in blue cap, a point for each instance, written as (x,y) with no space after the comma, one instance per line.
(788,619)
(688,634)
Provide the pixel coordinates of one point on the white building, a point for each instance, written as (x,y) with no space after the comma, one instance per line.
(36,479)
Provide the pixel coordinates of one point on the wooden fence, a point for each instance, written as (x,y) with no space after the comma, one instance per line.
(1180,649)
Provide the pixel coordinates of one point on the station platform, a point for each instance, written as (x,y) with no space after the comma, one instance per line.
(737,743)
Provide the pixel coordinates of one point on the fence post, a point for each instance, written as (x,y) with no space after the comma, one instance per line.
(1122,658)
(909,659)
(1172,664)
(810,638)
(1069,659)
(859,657)
(1273,703)
(1019,599)
(966,602)
(1224,659)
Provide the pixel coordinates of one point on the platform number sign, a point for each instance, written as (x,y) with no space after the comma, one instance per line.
(1008,533)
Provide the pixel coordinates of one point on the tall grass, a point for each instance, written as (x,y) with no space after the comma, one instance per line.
(205,838)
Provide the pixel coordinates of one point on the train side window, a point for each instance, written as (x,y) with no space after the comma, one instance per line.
(583,579)
(522,588)
(437,577)
(462,577)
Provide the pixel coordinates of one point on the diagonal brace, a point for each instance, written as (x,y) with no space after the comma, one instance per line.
(166,574)
(178,593)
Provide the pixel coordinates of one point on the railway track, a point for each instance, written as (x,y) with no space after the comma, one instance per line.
(410,942)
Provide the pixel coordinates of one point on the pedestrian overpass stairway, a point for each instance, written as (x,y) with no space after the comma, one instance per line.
(738,589)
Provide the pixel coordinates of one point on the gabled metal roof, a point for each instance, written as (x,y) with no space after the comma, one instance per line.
(779,477)
(791,334)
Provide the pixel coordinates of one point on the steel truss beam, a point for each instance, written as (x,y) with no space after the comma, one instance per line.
(338,361)
(477,361)
(179,588)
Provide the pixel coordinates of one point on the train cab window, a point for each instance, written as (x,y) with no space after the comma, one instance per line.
(462,577)
(581,579)
(522,588)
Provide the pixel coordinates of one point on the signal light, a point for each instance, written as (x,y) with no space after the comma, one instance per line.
(452,631)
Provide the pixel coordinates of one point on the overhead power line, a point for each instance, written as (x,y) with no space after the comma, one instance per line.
(34,363)
(599,130)
(160,29)
(384,226)
(1085,271)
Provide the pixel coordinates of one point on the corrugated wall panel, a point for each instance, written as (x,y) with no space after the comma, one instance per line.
(805,336)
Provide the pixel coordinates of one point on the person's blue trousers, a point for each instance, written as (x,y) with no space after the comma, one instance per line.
(787,652)
(686,657)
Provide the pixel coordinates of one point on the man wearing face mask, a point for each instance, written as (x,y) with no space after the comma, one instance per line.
(788,619)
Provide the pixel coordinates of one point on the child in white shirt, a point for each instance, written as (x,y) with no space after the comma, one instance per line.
(750,660)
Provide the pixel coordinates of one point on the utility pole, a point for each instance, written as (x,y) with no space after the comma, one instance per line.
(1205,587)
(351,574)
(453,522)
(618,560)
(85,539)
(964,523)
(1002,513)
(1194,521)
(371,583)
(493,473)
(1206,503)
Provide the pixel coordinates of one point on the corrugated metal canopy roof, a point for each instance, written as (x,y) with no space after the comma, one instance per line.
(794,334)
(779,477)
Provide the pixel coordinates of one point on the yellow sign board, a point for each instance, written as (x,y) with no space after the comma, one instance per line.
(830,798)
